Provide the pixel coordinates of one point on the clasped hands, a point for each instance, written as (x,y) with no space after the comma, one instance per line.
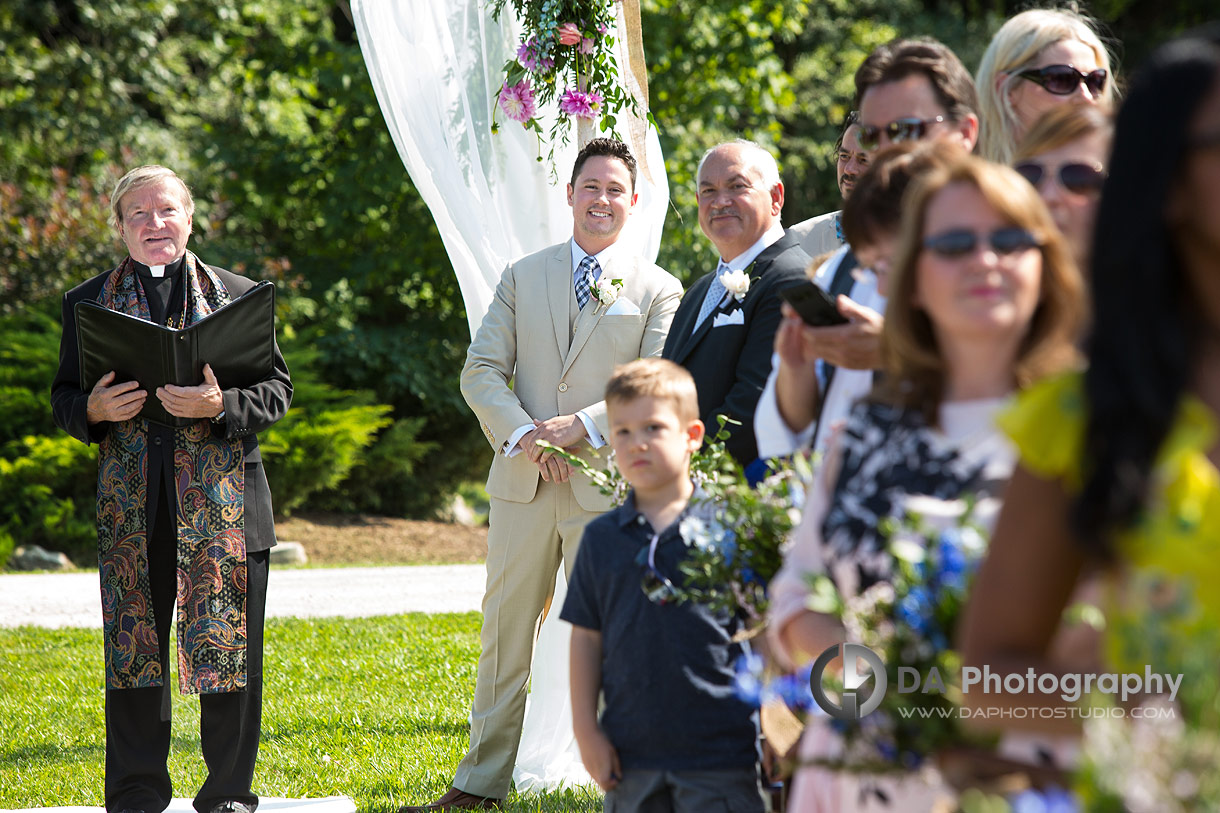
(121,402)
(855,346)
(564,431)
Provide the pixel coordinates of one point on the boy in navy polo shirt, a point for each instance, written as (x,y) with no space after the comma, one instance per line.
(673,735)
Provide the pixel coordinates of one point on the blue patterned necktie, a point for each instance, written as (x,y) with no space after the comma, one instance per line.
(715,293)
(586,276)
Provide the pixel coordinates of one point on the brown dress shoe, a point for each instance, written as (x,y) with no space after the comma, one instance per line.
(455,799)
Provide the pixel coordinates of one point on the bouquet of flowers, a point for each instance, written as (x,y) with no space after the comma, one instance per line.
(736,550)
(909,622)
(566,54)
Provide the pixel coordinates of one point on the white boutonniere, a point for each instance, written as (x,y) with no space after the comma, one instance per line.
(736,283)
(607,291)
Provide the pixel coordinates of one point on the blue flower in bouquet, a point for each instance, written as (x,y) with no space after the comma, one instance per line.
(953,565)
(728,544)
(795,690)
(1051,800)
(915,610)
(748,678)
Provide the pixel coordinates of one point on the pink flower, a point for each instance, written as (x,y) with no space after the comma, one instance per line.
(578,104)
(569,34)
(517,101)
(586,46)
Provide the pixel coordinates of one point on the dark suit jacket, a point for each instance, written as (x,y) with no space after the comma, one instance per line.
(731,363)
(247,411)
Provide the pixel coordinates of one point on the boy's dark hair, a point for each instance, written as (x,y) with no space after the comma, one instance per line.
(900,58)
(655,378)
(608,147)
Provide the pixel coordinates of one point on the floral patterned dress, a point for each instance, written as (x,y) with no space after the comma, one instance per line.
(884,459)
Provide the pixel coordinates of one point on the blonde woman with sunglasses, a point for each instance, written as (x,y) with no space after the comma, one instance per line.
(1038,60)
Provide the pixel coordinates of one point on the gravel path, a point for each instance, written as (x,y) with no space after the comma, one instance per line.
(74,599)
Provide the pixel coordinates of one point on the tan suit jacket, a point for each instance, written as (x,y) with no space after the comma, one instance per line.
(523,339)
(817,235)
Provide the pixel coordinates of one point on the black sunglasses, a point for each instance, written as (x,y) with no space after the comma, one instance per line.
(908,129)
(960,242)
(1074,177)
(656,587)
(1062,80)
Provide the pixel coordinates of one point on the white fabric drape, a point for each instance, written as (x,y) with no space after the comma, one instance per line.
(435,67)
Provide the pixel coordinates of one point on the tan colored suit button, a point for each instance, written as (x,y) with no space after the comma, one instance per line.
(563,386)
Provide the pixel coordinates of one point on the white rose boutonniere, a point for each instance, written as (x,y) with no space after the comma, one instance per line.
(736,283)
(607,291)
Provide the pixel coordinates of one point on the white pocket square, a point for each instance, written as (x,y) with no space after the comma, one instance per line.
(623,307)
(737,317)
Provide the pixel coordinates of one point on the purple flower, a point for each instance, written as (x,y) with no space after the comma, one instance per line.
(586,46)
(517,101)
(579,104)
(530,56)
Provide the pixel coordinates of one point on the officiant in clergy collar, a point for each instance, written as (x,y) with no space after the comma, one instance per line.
(561,320)
(184,515)
(724,330)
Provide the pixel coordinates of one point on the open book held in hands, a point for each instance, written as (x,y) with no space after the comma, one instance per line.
(238,340)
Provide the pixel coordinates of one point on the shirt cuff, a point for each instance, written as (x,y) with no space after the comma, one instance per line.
(595,438)
(510,447)
(774,437)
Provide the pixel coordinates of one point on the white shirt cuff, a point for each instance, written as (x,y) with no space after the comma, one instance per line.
(510,448)
(771,432)
(595,438)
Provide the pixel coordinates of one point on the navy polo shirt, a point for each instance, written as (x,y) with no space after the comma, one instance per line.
(667,670)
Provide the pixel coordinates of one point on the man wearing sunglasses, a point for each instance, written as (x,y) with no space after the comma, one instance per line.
(906,90)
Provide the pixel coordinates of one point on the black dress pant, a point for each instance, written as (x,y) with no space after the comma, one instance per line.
(138,720)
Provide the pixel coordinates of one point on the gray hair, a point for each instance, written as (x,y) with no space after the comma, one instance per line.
(759,159)
(139,178)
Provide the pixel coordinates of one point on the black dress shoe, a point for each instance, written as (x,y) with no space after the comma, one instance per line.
(232,807)
(130,810)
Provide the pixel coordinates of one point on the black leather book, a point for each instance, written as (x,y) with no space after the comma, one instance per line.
(238,340)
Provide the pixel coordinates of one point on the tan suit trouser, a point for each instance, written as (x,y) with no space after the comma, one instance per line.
(525,544)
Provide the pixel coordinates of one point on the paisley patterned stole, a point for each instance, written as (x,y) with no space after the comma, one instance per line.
(211,545)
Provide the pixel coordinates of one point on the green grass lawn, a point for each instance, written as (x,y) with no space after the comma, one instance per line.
(375,709)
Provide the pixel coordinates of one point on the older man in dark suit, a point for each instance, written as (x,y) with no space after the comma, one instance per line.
(724,330)
(184,515)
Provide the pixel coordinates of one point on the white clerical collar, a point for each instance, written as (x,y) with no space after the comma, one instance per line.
(603,257)
(743,260)
(158,271)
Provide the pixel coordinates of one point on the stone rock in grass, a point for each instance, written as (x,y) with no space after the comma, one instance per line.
(289,553)
(32,557)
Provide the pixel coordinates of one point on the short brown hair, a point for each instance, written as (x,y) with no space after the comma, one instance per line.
(914,365)
(900,58)
(140,177)
(874,209)
(609,148)
(654,378)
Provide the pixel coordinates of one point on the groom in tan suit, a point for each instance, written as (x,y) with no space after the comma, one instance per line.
(551,334)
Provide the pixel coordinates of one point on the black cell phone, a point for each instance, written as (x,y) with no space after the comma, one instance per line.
(815,306)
